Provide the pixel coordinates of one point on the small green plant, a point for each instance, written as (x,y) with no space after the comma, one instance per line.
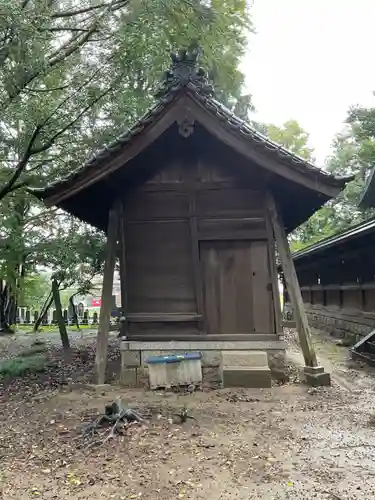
(183,414)
(20,366)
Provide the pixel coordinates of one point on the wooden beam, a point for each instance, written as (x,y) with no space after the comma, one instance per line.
(123,280)
(105,309)
(277,317)
(291,279)
(190,165)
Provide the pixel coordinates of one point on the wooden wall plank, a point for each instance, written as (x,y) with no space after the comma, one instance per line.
(228,202)
(262,295)
(228,287)
(160,273)
(232,229)
(146,205)
(190,167)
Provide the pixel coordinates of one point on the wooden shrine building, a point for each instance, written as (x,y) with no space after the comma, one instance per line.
(194,197)
(337,278)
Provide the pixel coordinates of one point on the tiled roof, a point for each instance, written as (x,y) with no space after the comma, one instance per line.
(357,231)
(184,75)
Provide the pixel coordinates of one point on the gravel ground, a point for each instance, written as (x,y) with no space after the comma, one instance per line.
(287,442)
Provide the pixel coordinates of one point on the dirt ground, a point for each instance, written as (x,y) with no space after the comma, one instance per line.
(288,442)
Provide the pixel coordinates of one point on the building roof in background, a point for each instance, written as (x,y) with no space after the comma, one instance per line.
(333,242)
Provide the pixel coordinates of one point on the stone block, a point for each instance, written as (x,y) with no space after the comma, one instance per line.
(249,377)
(244,358)
(211,358)
(278,365)
(276,360)
(212,375)
(142,377)
(316,376)
(128,377)
(130,359)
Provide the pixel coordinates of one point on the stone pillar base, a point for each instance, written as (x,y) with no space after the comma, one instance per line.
(315,376)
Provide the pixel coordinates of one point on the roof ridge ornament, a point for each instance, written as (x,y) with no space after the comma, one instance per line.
(184,72)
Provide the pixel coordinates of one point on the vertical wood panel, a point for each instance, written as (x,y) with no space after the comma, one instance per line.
(261,298)
(211,288)
(190,172)
(228,287)
(160,275)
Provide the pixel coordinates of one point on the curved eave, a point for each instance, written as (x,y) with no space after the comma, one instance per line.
(220,122)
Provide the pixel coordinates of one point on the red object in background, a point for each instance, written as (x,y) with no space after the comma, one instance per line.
(96,302)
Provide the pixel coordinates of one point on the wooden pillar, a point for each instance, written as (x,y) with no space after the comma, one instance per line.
(277,315)
(106,305)
(292,284)
(123,280)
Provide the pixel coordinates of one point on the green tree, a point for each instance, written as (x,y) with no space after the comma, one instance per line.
(34,291)
(351,156)
(292,136)
(73,78)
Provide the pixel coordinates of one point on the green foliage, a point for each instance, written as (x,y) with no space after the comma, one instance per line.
(292,136)
(34,290)
(337,215)
(353,155)
(21,366)
(71,80)
(73,76)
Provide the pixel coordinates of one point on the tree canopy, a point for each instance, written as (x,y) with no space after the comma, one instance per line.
(73,76)
(353,154)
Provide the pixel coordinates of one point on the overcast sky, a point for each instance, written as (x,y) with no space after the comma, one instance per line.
(311,60)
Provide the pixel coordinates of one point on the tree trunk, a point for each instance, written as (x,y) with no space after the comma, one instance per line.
(47,304)
(4,308)
(60,318)
(74,309)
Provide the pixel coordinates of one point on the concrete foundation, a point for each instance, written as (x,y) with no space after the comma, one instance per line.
(245,369)
(134,353)
(315,376)
(244,376)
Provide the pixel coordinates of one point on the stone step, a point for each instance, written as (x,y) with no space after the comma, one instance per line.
(244,358)
(246,376)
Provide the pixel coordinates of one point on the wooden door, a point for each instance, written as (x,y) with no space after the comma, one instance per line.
(237,295)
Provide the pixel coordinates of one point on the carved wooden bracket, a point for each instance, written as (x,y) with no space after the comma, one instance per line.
(186,126)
